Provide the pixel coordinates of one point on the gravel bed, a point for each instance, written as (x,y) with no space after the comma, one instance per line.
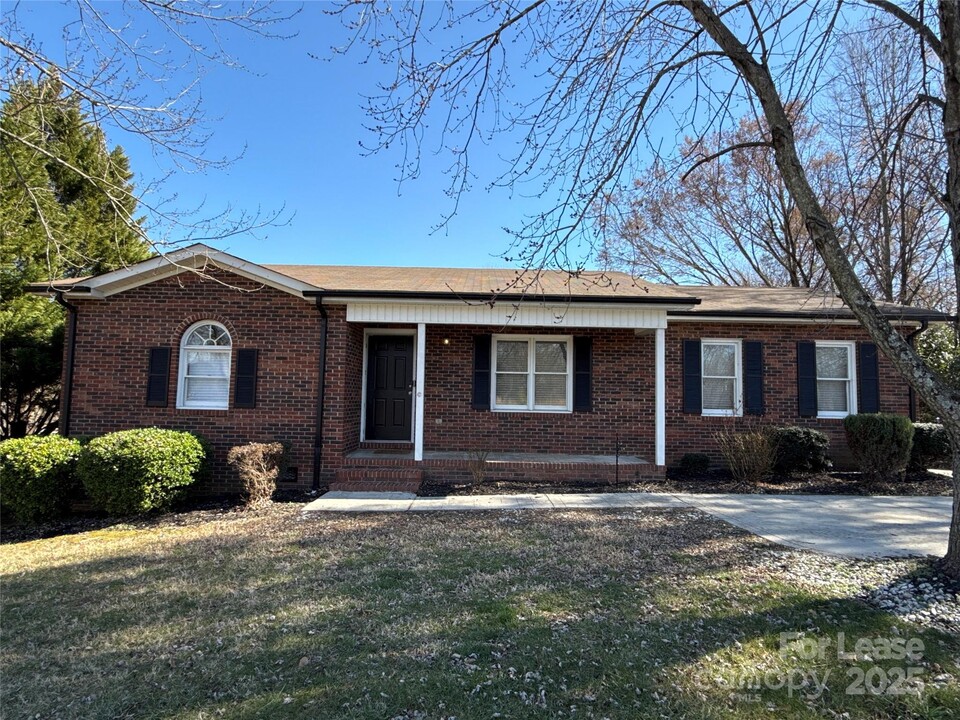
(911,589)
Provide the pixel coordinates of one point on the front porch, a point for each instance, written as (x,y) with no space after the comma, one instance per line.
(544,394)
(397,469)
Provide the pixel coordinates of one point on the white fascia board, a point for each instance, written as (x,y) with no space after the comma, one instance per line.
(747,319)
(190,259)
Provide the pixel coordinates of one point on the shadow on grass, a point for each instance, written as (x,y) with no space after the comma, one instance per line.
(391,616)
(190,511)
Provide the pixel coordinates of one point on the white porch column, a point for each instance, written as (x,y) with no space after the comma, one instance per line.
(660,411)
(419,388)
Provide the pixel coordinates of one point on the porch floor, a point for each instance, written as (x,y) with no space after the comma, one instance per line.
(498,457)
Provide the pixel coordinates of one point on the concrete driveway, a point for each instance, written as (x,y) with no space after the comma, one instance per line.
(837,524)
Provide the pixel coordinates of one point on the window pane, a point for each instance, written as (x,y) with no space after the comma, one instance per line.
(718,393)
(511,389)
(719,360)
(209,391)
(512,356)
(550,390)
(832,395)
(209,335)
(214,364)
(832,362)
(551,357)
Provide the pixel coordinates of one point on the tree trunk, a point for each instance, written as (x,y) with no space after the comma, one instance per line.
(951,561)
(949,13)
(934,391)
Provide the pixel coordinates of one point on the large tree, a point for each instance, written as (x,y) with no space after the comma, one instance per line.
(132,70)
(86,202)
(136,70)
(873,158)
(611,84)
(890,211)
(729,221)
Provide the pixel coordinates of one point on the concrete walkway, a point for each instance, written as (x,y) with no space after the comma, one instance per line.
(837,524)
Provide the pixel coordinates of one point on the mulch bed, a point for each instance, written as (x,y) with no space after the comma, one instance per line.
(917,482)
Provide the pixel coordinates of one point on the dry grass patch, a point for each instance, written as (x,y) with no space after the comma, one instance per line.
(619,614)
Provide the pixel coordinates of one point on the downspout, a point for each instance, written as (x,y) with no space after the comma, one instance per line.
(321,380)
(910,393)
(66,398)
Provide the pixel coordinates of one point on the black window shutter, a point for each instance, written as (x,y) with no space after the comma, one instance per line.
(807,379)
(481,372)
(692,389)
(869,379)
(753,377)
(245,384)
(582,368)
(158,380)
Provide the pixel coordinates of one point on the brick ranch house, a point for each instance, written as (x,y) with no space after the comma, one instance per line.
(381,376)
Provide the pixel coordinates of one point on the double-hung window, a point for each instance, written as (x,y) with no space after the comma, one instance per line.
(721,374)
(836,369)
(204,379)
(532,373)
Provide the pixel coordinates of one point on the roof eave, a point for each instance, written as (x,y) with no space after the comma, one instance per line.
(494,297)
(190,259)
(918,316)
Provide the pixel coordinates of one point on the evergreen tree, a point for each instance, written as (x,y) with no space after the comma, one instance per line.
(67,209)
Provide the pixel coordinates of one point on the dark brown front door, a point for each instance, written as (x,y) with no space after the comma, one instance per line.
(389,387)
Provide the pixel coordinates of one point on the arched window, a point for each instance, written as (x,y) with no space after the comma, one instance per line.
(204,380)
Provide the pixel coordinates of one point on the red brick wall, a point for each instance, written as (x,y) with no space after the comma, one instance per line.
(110,372)
(114,337)
(342,391)
(694,433)
(623,399)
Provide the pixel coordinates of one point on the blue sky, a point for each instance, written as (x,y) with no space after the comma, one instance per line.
(301,122)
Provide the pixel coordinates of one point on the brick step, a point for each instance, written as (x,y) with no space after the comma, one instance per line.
(384,445)
(377,479)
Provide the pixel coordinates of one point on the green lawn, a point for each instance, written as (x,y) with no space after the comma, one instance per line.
(589,614)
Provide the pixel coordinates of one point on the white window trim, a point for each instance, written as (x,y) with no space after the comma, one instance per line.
(737,410)
(531,373)
(851,382)
(182,402)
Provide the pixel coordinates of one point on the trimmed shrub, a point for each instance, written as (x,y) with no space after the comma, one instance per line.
(750,454)
(136,471)
(880,443)
(801,450)
(694,463)
(258,465)
(37,477)
(931,446)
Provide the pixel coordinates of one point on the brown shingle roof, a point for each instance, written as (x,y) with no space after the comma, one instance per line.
(612,285)
(797,302)
(335,279)
(61,283)
(609,286)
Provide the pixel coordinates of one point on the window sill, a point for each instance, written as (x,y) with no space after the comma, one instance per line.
(721,413)
(539,411)
(833,416)
(205,408)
